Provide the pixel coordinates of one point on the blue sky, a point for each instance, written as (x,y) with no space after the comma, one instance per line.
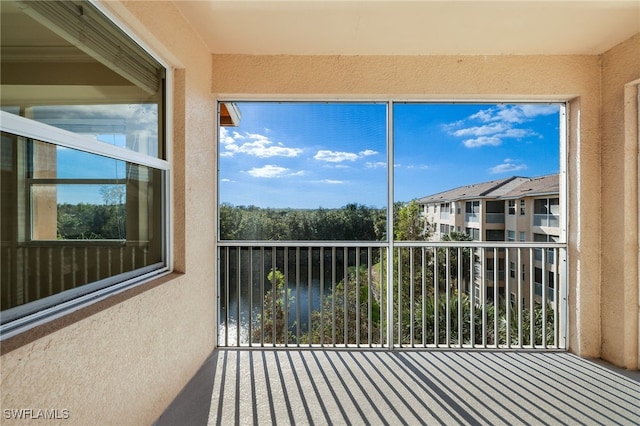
(309,155)
(74,164)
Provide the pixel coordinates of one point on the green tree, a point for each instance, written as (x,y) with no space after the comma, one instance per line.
(271,321)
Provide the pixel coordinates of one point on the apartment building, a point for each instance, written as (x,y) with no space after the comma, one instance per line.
(513,209)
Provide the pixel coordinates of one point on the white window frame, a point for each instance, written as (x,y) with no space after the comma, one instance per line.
(24,317)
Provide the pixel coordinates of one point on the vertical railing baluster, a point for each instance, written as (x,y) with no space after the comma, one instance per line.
(556,297)
(412,298)
(322,328)
(109,263)
(85,265)
(298,296)
(285,297)
(250,310)
(507,296)
(472,297)
(50,269)
(496,299)
(310,292)
(423,267)
(369,299)
(384,254)
(447,280)
(399,303)
(262,275)
(226,300)
(357,298)
(274,296)
(73,266)
(345,293)
(239,293)
(483,291)
(436,285)
(543,298)
(39,274)
(333,298)
(532,293)
(460,263)
(519,296)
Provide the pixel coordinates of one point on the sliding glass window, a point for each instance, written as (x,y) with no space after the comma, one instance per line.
(84,167)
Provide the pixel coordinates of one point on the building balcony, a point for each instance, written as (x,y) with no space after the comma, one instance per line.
(405,387)
(472,217)
(547,220)
(494,218)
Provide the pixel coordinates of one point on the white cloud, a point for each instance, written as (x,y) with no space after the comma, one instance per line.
(340,156)
(271,171)
(500,122)
(375,165)
(482,115)
(514,113)
(534,110)
(507,166)
(253,144)
(332,181)
(489,129)
(482,141)
(335,156)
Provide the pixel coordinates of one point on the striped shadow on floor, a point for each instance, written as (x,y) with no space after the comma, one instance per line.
(344,387)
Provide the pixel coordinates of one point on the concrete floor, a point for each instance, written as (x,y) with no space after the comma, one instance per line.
(347,387)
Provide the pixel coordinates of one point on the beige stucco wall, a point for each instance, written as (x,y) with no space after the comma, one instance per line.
(572,78)
(125,363)
(620,281)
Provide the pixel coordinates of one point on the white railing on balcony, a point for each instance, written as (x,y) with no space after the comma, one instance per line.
(550,220)
(494,217)
(472,217)
(339,294)
(38,269)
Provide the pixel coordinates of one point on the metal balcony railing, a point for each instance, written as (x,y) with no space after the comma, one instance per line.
(381,295)
(472,217)
(35,270)
(494,218)
(549,220)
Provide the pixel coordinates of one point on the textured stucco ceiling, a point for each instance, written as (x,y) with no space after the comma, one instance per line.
(373,27)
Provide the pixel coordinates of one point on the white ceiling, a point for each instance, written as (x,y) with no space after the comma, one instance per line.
(417,27)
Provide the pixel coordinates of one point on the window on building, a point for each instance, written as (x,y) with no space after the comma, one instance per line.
(512,269)
(444,210)
(522,207)
(494,212)
(523,236)
(472,211)
(474,233)
(546,212)
(494,235)
(511,235)
(84,165)
(512,207)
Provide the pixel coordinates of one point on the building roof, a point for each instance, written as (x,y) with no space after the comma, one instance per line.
(542,185)
(512,187)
